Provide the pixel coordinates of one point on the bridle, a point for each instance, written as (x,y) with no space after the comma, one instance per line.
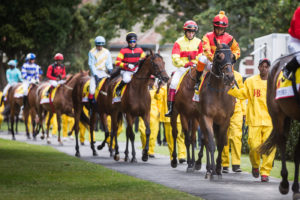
(220,69)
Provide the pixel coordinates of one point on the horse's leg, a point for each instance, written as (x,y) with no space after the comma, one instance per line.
(92,126)
(198,163)
(193,137)
(130,133)
(33,123)
(17,120)
(48,127)
(187,140)
(58,119)
(114,128)
(146,119)
(127,142)
(174,134)
(295,186)
(104,123)
(221,140)
(77,112)
(12,119)
(26,114)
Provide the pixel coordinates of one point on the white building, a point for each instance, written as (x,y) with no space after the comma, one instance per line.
(269,46)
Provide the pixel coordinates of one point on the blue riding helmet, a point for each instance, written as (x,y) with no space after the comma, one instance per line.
(30,56)
(12,63)
(99,41)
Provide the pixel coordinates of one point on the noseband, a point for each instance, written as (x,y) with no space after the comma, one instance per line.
(221,66)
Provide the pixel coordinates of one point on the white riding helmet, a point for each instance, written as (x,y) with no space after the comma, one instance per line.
(99,41)
(12,63)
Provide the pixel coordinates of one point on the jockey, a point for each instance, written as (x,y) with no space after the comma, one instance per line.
(56,71)
(13,76)
(128,60)
(30,74)
(186,52)
(294,45)
(220,22)
(99,61)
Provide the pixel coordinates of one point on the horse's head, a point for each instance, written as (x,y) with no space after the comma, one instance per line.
(223,62)
(158,66)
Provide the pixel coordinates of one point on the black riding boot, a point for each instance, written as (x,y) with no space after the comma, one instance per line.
(25,100)
(119,88)
(170,109)
(2,99)
(292,66)
(198,76)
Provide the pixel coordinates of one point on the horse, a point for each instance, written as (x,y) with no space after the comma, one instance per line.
(135,102)
(62,103)
(216,106)
(282,111)
(15,107)
(189,115)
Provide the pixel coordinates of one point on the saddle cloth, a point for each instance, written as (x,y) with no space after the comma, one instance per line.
(19,92)
(284,87)
(115,97)
(86,88)
(45,97)
(197,93)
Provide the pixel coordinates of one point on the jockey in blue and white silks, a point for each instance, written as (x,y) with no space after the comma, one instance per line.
(30,73)
(99,62)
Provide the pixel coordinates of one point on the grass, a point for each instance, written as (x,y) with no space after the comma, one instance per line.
(41,172)
(163,150)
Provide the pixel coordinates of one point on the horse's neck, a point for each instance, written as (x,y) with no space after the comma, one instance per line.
(141,78)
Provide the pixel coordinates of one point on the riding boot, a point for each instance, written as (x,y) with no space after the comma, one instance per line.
(2,99)
(92,100)
(198,80)
(170,109)
(25,100)
(49,91)
(292,66)
(119,88)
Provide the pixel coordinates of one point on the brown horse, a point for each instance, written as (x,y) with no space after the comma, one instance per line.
(189,115)
(62,103)
(282,111)
(135,103)
(15,107)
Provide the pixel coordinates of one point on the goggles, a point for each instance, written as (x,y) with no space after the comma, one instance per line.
(220,23)
(132,41)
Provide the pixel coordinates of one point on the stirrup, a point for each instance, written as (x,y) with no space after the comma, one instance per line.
(287,74)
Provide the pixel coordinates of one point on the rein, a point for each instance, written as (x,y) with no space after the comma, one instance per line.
(190,74)
(68,87)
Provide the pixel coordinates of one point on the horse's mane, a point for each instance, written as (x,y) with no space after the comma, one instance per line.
(141,62)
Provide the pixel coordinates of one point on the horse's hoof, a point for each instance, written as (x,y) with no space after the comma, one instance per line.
(42,137)
(126,159)
(100,147)
(174,163)
(95,153)
(61,143)
(117,157)
(198,166)
(145,157)
(77,154)
(190,169)
(133,160)
(48,141)
(284,187)
(13,138)
(28,137)
(296,196)
(207,175)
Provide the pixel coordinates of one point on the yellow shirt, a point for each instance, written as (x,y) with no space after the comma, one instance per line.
(255,91)
(154,111)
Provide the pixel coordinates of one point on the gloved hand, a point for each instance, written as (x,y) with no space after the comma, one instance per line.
(189,64)
(131,66)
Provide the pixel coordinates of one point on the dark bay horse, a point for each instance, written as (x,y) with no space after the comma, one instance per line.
(189,115)
(135,103)
(215,106)
(62,103)
(282,111)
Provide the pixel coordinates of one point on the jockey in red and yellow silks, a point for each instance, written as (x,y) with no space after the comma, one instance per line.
(186,52)
(220,23)
(128,60)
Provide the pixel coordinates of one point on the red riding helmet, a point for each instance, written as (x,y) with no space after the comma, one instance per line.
(220,20)
(58,56)
(190,25)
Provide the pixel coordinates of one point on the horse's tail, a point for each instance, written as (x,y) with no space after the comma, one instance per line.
(268,146)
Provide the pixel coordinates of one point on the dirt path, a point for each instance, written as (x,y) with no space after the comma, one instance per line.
(231,186)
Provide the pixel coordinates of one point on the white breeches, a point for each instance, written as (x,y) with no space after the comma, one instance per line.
(176,77)
(100,74)
(126,76)
(55,83)
(25,87)
(294,46)
(5,90)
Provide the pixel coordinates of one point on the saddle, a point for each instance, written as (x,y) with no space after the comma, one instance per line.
(284,87)
(46,95)
(86,88)
(115,97)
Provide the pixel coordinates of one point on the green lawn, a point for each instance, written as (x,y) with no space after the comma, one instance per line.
(163,150)
(41,172)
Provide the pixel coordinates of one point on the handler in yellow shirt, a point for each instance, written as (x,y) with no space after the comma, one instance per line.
(258,119)
(67,125)
(1,110)
(181,149)
(154,119)
(234,133)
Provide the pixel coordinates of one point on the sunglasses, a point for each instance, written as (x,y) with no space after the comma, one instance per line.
(220,23)
(132,41)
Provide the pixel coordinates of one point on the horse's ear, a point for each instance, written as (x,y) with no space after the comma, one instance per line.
(151,52)
(217,43)
(230,43)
